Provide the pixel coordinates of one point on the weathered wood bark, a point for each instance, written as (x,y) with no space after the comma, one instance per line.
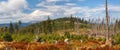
(107,22)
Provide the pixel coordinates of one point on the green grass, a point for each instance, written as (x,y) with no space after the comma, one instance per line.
(23,37)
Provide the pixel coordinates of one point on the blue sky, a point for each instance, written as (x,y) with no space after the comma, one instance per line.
(38,10)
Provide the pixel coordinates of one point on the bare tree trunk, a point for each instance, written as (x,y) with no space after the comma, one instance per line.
(107,22)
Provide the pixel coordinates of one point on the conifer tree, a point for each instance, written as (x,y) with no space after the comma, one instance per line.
(16,27)
(49,25)
(19,23)
(11,27)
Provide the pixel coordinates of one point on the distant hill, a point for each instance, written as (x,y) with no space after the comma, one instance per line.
(50,26)
(7,24)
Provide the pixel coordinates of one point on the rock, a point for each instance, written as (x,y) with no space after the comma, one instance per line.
(81,41)
(55,41)
(102,45)
(66,40)
(42,42)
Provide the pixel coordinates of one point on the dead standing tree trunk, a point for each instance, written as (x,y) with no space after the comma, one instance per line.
(108,42)
(102,27)
(77,26)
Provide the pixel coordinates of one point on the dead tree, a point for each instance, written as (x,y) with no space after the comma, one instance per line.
(77,25)
(107,21)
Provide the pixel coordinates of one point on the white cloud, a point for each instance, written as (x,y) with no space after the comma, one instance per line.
(70,4)
(36,15)
(86,11)
(65,10)
(112,9)
(39,12)
(115,8)
(12,10)
(12,5)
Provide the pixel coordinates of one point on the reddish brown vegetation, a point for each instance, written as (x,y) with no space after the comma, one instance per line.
(61,45)
(19,45)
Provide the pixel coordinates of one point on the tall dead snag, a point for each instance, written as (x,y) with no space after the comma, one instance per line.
(107,21)
(77,25)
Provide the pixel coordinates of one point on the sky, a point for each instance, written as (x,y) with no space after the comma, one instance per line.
(39,10)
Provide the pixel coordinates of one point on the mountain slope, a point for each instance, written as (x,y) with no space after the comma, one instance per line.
(22,25)
(50,26)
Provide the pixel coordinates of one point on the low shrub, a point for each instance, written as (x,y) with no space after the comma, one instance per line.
(8,37)
(116,39)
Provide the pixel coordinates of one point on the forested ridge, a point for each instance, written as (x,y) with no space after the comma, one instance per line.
(49,26)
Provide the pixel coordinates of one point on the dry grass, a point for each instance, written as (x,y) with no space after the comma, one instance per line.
(61,45)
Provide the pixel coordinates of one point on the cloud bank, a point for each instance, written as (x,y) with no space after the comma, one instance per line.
(14,10)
